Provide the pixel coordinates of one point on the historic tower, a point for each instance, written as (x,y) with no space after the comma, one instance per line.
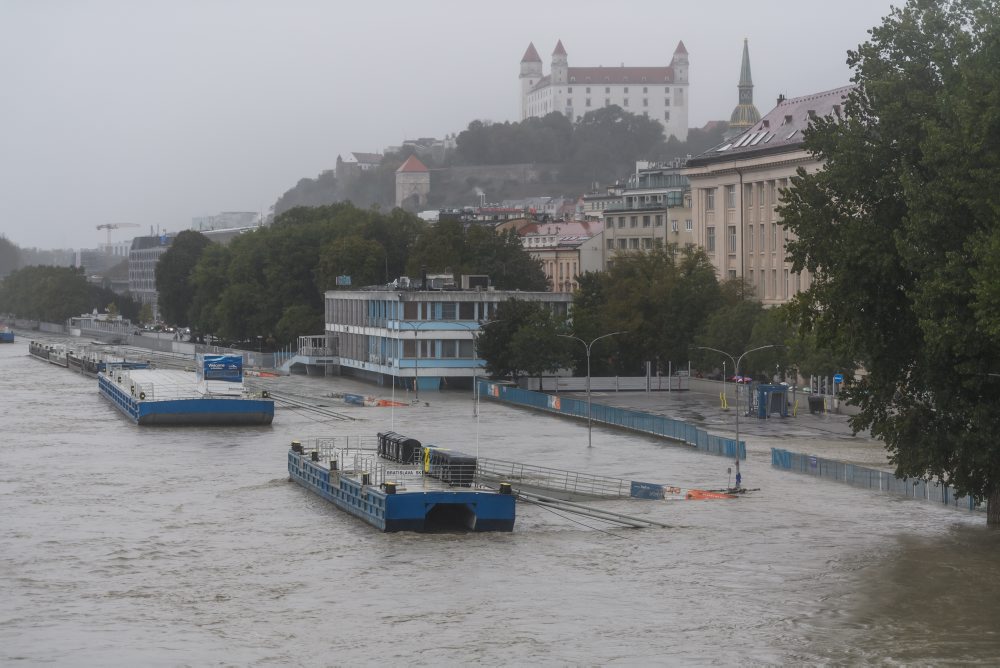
(531,73)
(745,115)
(413,184)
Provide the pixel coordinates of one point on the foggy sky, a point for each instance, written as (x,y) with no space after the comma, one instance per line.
(155,112)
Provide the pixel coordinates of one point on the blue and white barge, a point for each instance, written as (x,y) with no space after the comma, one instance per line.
(216,396)
(395,483)
(6,334)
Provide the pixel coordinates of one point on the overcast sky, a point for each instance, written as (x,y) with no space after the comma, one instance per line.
(156,112)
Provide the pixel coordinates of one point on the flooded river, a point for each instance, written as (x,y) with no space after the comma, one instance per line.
(122,545)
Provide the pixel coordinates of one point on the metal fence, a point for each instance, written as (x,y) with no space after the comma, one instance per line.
(861,476)
(646,423)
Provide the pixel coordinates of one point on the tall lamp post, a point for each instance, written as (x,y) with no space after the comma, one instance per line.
(736,371)
(587,347)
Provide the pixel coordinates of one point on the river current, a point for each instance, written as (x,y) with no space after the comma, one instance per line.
(122,545)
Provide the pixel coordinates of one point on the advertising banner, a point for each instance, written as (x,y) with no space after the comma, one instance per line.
(228,368)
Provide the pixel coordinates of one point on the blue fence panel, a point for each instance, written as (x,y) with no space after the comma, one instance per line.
(628,419)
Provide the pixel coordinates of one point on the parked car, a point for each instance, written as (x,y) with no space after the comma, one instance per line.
(740,379)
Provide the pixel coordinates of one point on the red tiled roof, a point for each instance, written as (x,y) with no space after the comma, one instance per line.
(559,51)
(621,75)
(531,56)
(680,47)
(412,164)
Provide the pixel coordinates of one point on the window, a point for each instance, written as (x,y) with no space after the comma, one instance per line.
(710,239)
(611,244)
(588,101)
(688,225)
(659,220)
(623,243)
(645,102)
(607,102)
(710,199)
(645,221)
(750,239)
(763,238)
(645,90)
(633,243)
(666,102)
(633,221)
(774,237)
(626,102)
(588,90)
(748,196)
(621,222)
(732,274)
(730,197)
(607,90)
(732,239)
(666,115)
(569,90)
(626,90)
(679,96)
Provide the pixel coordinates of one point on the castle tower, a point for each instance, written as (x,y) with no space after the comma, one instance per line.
(679,63)
(745,115)
(560,65)
(413,184)
(531,73)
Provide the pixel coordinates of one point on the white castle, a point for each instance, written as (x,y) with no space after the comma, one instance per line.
(656,92)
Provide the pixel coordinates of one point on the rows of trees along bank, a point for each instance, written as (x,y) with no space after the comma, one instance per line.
(55,294)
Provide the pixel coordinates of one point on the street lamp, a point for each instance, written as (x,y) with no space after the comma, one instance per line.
(587,347)
(736,370)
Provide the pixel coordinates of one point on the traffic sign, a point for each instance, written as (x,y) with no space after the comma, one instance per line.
(838,378)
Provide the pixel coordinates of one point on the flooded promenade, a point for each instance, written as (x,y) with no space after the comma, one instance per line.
(122,545)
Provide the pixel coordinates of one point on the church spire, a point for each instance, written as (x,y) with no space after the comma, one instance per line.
(745,115)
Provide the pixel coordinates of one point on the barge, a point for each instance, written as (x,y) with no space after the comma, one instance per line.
(6,334)
(53,353)
(215,395)
(395,483)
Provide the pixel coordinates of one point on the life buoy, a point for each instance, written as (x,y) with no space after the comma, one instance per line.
(142,396)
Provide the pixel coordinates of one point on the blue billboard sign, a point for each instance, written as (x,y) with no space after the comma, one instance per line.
(228,368)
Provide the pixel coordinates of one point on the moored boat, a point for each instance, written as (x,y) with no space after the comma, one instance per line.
(172,397)
(395,483)
(6,334)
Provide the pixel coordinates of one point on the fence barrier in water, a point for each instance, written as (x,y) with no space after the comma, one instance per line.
(861,476)
(646,423)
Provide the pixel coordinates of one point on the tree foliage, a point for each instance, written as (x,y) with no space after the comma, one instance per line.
(9,256)
(173,276)
(521,340)
(901,231)
(54,294)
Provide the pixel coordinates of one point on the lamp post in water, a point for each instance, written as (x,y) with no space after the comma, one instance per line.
(736,370)
(587,347)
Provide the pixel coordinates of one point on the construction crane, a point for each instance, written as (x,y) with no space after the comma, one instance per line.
(115,226)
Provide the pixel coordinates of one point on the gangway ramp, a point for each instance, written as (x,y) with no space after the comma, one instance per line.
(566,485)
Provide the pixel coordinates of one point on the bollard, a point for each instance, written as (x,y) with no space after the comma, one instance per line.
(505,488)
(390,488)
(297,446)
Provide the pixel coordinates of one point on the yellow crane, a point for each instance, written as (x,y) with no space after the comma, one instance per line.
(115,226)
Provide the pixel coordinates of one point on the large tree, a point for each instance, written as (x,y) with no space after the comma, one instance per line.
(173,276)
(901,229)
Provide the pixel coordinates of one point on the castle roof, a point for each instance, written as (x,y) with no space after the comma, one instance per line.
(412,164)
(780,130)
(559,50)
(680,47)
(531,56)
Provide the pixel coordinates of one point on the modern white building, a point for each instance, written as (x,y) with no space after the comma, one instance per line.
(659,92)
(142,259)
(417,338)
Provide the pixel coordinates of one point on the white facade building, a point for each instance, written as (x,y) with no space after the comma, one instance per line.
(660,92)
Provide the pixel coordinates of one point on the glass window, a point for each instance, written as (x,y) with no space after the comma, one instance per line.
(626,89)
(621,222)
(645,221)
(647,242)
(611,244)
(732,239)
(688,224)
(633,243)
(633,221)
(623,243)
(730,197)
(710,239)
(659,220)
(710,199)
(626,102)
(774,236)
(666,115)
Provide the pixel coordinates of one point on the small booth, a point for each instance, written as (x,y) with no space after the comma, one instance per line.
(398,448)
(772,400)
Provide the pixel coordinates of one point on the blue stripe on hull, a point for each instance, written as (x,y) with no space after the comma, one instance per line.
(405,511)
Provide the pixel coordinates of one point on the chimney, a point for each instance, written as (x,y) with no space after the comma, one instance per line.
(781,98)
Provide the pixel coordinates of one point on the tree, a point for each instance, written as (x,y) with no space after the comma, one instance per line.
(9,256)
(521,339)
(900,229)
(173,276)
